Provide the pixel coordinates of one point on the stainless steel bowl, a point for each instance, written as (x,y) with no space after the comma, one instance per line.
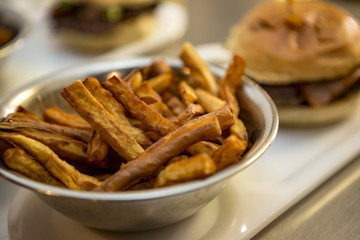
(14,21)
(145,209)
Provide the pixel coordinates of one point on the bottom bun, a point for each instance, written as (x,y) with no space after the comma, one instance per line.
(125,32)
(304,116)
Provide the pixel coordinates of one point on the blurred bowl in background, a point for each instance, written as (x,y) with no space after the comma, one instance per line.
(141,209)
(13,28)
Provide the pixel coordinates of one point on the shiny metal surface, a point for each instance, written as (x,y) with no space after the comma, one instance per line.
(146,209)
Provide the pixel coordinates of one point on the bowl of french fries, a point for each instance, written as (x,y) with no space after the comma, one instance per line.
(134,144)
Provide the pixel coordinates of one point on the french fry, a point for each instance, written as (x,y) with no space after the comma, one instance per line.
(116,135)
(72,132)
(60,169)
(187,93)
(134,79)
(176,105)
(162,109)
(191,111)
(202,147)
(198,67)
(97,150)
(157,67)
(209,102)
(4,145)
(160,152)
(115,108)
(63,146)
(233,75)
(138,108)
(28,113)
(196,167)
(161,82)
(147,94)
(17,159)
(56,115)
(229,152)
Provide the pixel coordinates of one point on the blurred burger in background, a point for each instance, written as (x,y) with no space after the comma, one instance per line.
(306,55)
(100,25)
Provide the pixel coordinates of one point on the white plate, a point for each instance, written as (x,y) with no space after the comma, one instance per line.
(298,161)
(40,54)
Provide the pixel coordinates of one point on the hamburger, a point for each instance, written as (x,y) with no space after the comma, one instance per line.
(305,55)
(100,25)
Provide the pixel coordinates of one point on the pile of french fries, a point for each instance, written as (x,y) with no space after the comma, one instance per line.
(154,127)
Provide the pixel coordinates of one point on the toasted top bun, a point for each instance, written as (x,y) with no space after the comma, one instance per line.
(316,41)
(114,2)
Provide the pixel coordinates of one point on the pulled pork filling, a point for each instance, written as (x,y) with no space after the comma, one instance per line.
(314,94)
(94,19)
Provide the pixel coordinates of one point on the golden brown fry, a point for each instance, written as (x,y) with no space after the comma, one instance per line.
(187,93)
(199,68)
(147,94)
(229,152)
(75,133)
(209,102)
(134,79)
(65,147)
(138,108)
(233,75)
(157,67)
(239,129)
(162,109)
(115,108)
(192,111)
(202,147)
(231,101)
(60,169)
(175,105)
(161,82)
(160,152)
(28,113)
(56,115)
(224,115)
(196,167)
(97,150)
(17,159)
(116,135)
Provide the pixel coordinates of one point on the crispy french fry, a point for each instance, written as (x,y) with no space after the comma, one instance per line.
(198,67)
(28,113)
(157,67)
(138,108)
(187,93)
(56,115)
(209,102)
(60,169)
(192,111)
(162,109)
(196,167)
(239,129)
(147,94)
(72,132)
(233,75)
(160,152)
(115,108)
(97,150)
(161,82)
(116,135)
(65,147)
(17,159)
(134,79)
(202,147)
(229,152)
(176,105)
